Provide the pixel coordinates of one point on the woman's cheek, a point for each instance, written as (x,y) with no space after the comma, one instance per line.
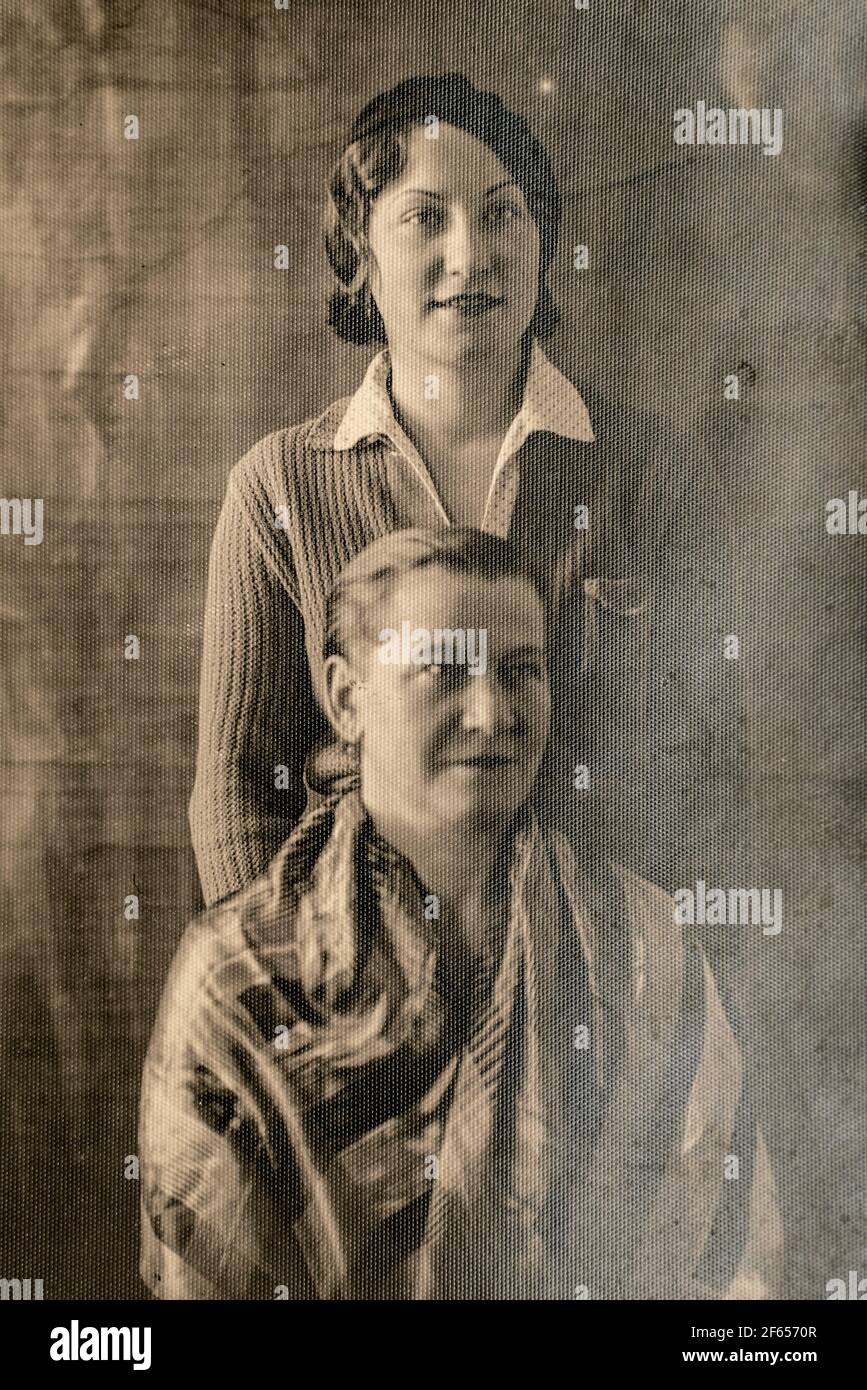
(541,714)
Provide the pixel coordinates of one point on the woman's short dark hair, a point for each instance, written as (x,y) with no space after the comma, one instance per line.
(374,155)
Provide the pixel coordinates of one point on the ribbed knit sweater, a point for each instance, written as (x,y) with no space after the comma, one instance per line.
(640,686)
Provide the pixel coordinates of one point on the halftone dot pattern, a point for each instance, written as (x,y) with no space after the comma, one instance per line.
(171,380)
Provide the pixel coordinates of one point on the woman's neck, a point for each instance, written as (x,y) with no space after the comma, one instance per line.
(474,400)
(458,870)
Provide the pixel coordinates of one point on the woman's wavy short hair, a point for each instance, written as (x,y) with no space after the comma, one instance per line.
(353,612)
(375,154)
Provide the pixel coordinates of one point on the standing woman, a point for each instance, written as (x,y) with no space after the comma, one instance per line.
(442,224)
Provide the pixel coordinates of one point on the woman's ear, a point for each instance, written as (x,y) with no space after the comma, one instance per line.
(343,690)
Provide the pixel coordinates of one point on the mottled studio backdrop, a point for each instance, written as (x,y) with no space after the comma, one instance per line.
(155,257)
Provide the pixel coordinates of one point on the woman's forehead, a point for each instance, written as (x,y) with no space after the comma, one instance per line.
(454,159)
(449,597)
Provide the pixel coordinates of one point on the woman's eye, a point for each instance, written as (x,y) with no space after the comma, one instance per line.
(426,216)
(445,677)
(418,216)
(506,212)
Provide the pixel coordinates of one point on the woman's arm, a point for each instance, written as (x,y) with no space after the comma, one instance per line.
(257,713)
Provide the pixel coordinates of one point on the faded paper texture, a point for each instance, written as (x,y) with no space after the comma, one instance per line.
(154,257)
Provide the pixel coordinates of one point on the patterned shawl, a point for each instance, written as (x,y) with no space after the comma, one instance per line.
(320,1120)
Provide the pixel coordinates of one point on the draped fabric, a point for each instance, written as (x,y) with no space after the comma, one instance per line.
(155,259)
(326,1114)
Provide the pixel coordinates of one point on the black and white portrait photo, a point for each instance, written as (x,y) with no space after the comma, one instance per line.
(432,597)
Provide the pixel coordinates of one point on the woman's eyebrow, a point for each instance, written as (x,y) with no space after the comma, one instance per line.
(432,193)
(507,183)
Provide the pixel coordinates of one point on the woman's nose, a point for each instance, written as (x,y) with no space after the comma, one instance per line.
(486,705)
(465,250)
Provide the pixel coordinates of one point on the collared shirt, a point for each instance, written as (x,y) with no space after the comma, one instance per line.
(550,403)
(622,525)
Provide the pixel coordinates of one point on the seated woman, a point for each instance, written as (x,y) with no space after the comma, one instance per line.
(424,1054)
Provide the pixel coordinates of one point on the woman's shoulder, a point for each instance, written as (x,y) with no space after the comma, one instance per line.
(647,899)
(269,915)
(667,463)
(281,451)
(645,902)
(235,946)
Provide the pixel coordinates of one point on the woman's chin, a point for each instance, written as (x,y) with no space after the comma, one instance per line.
(473,798)
(465,340)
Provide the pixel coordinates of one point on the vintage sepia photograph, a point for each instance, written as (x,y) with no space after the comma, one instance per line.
(432,599)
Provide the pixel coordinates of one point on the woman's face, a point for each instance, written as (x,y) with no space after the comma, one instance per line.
(453,224)
(442,745)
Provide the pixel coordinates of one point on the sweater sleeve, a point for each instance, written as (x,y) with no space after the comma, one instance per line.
(257,713)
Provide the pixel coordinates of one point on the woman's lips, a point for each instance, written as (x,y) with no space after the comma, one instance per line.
(467,305)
